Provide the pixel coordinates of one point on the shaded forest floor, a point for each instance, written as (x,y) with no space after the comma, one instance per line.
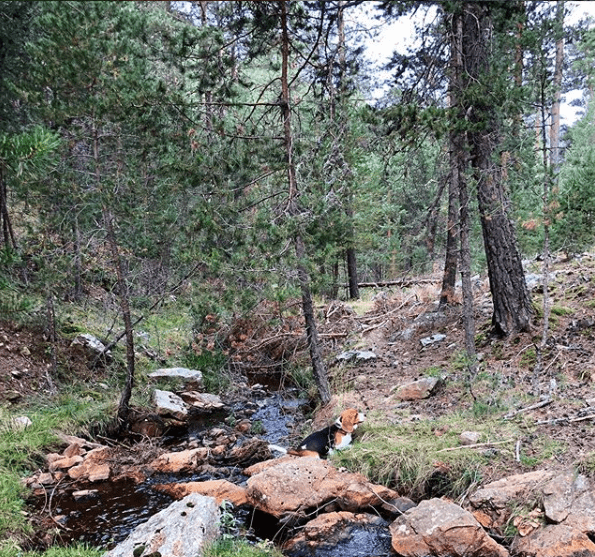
(515,374)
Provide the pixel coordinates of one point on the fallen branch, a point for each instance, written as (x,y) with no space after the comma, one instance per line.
(565,420)
(399,282)
(526,409)
(474,446)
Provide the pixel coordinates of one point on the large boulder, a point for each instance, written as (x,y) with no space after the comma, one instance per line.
(557,540)
(439,528)
(190,375)
(494,502)
(180,530)
(297,485)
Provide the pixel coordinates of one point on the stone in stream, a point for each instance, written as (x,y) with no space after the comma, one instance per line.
(180,530)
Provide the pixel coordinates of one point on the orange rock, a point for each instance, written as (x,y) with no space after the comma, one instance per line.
(557,540)
(182,461)
(304,483)
(64,463)
(219,489)
(74,449)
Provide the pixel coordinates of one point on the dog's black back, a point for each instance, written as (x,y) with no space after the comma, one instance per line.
(320,441)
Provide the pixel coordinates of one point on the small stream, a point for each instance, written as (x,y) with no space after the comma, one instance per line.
(106,512)
(110,510)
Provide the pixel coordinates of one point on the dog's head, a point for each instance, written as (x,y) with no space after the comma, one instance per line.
(349,420)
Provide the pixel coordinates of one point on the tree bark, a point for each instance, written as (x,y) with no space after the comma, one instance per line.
(124,406)
(557,84)
(512,304)
(350,253)
(318,367)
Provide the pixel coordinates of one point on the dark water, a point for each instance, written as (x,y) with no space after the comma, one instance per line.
(114,508)
(109,513)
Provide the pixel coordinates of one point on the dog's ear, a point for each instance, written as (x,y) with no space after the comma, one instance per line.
(349,419)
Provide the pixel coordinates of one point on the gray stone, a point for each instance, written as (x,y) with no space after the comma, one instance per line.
(90,344)
(434,339)
(357,356)
(180,530)
(193,375)
(170,404)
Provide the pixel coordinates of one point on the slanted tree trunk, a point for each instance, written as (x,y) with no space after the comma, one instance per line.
(512,304)
(7,231)
(123,294)
(318,367)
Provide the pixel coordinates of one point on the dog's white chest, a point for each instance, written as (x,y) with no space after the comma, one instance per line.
(344,442)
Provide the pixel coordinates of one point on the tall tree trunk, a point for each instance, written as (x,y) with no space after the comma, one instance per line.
(350,252)
(512,304)
(457,159)
(318,367)
(554,159)
(557,84)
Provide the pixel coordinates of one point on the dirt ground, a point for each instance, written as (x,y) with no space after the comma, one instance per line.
(392,325)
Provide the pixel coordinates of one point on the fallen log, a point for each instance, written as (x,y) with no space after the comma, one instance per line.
(399,282)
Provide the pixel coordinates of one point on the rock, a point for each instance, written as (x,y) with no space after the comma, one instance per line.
(21,422)
(150,425)
(310,483)
(357,356)
(65,462)
(440,528)
(182,461)
(498,494)
(557,540)
(221,490)
(202,401)
(570,498)
(417,390)
(94,466)
(170,404)
(180,530)
(74,449)
(469,437)
(89,345)
(85,494)
(191,375)
(13,396)
(434,339)
(91,471)
(341,533)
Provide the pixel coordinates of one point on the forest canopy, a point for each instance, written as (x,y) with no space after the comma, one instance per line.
(244,150)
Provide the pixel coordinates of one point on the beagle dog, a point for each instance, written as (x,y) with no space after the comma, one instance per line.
(332,438)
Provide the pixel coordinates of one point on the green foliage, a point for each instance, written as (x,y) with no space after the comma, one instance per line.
(212,364)
(574,222)
(235,547)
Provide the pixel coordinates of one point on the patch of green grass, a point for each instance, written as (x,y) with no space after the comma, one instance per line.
(212,365)
(417,458)
(71,551)
(529,358)
(22,451)
(561,310)
(235,547)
